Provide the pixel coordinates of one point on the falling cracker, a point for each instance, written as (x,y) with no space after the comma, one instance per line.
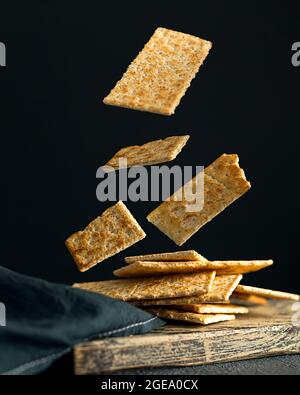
(265,293)
(153,288)
(222,289)
(158,78)
(114,231)
(248,300)
(203,319)
(167,257)
(224,183)
(152,153)
(213,309)
(149,269)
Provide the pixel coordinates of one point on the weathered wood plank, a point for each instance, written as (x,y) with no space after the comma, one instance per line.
(267,331)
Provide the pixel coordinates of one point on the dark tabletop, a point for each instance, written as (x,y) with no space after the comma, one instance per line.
(284,365)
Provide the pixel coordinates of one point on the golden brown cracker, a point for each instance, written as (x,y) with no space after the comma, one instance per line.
(266,293)
(149,269)
(214,309)
(248,300)
(224,183)
(155,152)
(158,78)
(114,231)
(153,288)
(239,267)
(202,319)
(222,289)
(168,257)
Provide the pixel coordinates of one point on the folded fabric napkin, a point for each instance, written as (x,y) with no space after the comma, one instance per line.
(40,321)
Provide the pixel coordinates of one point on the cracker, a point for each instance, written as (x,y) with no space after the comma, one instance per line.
(265,293)
(202,319)
(114,231)
(248,300)
(152,153)
(153,288)
(224,183)
(158,78)
(222,289)
(168,257)
(213,309)
(149,269)
(239,267)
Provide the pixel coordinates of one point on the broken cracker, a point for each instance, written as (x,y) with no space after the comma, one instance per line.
(266,293)
(222,289)
(114,231)
(158,78)
(149,269)
(203,319)
(155,152)
(153,288)
(224,183)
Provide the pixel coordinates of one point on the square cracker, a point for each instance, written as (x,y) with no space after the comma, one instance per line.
(114,231)
(224,183)
(167,257)
(222,289)
(266,293)
(160,75)
(153,288)
(149,269)
(202,319)
(155,152)
(213,309)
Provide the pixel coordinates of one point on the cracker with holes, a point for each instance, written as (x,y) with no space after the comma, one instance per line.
(159,77)
(149,269)
(224,183)
(114,231)
(221,291)
(153,288)
(155,152)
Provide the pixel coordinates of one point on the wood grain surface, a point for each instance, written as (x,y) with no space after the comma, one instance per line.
(267,331)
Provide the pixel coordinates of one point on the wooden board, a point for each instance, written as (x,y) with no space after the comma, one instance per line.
(267,331)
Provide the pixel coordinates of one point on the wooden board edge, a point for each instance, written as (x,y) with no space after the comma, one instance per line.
(195,349)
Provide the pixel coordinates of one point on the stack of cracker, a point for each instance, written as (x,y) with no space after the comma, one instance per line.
(185,286)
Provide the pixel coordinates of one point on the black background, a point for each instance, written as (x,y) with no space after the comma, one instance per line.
(63,58)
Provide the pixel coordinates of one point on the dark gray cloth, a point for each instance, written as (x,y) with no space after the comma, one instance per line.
(44,321)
